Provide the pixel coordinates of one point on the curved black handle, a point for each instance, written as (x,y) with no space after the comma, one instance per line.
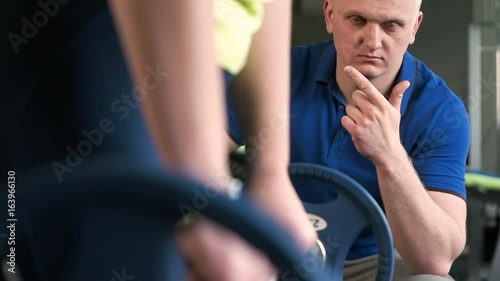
(104,190)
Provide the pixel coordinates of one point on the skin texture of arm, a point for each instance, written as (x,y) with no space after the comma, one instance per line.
(418,217)
(428,227)
(261,95)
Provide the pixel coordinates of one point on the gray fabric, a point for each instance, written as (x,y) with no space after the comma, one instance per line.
(365,269)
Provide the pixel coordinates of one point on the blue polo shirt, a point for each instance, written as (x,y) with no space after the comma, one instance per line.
(434,129)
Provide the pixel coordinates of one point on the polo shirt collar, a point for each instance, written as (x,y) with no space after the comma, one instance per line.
(408,71)
(326,64)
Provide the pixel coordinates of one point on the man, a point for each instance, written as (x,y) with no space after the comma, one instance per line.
(363,105)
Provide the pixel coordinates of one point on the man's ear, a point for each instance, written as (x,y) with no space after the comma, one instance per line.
(420,17)
(328,14)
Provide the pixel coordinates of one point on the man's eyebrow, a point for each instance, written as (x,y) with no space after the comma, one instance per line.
(354,12)
(395,19)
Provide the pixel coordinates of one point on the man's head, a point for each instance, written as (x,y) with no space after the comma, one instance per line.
(372,35)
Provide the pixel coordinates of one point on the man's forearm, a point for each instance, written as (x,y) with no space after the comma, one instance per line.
(426,236)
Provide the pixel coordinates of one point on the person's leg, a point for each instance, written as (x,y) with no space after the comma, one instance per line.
(424,277)
(81,105)
(93,111)
(365,269)
(107,104)
(403,272)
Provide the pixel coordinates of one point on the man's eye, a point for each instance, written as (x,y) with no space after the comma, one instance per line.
(391,25)
(357,20)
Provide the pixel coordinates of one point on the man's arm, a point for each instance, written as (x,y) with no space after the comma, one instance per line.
(428,227)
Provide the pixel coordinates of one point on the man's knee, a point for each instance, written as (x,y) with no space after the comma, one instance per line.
(424,277)
(403,272)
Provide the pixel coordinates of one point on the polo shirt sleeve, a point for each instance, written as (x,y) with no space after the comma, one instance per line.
(441,152)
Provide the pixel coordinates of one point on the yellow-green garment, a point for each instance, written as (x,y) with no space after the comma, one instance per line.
(236,21)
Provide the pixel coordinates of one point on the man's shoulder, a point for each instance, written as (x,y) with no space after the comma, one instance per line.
(432,98)
(429,82)
(309,61)
(309,53)
(312,46)
(426,77)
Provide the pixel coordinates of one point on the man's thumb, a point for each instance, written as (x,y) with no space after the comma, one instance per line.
(397,94)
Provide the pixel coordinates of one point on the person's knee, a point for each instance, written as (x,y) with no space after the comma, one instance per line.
(424,277)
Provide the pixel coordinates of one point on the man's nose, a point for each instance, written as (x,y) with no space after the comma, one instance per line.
(372,36)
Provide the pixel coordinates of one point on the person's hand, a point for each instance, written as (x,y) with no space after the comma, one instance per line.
(213,253)
(371,119)
(275,195)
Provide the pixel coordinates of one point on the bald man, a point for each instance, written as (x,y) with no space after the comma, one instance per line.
(362,104)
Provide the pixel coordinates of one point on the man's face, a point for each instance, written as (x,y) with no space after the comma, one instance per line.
(372,35)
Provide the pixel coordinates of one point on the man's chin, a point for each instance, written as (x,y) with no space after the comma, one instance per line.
(370,71)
